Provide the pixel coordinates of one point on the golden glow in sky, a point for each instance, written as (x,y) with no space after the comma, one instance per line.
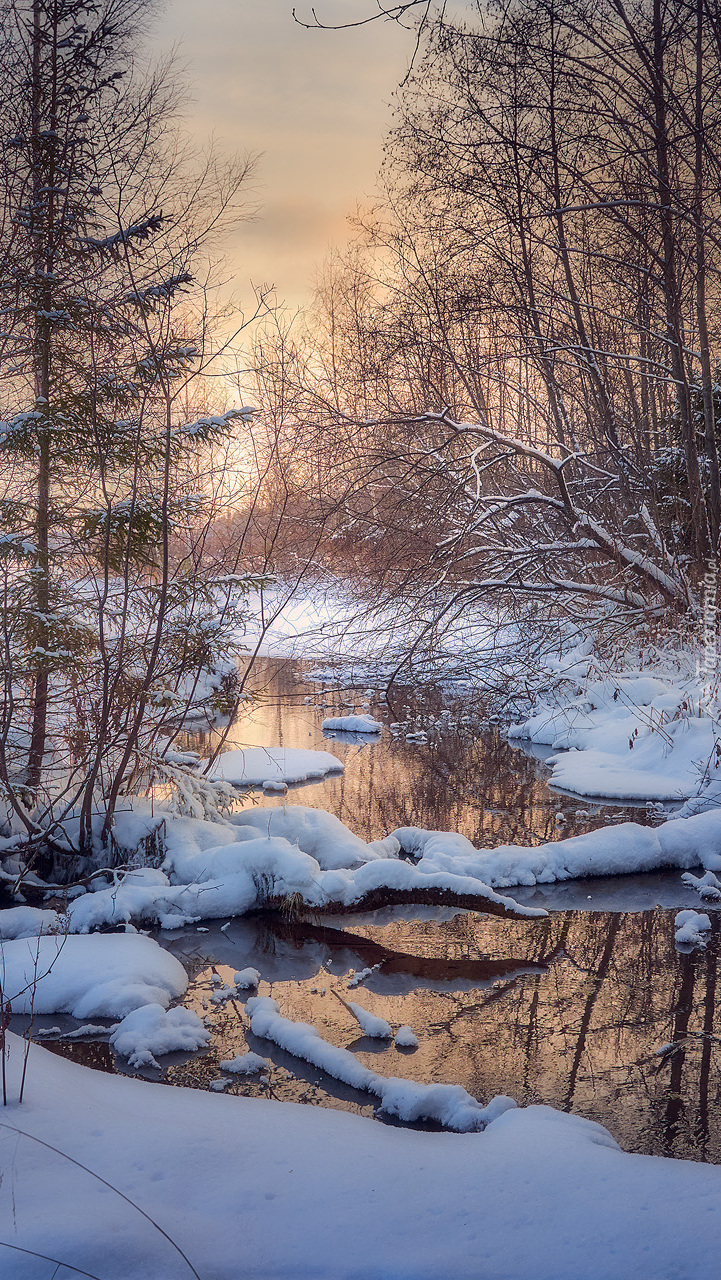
(314,104)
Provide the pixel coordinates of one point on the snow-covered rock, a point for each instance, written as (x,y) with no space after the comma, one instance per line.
(352,724)
(150,1031)
(245,979)
(406,1038)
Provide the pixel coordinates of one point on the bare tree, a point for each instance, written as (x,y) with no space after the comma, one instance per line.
(113,620)
(539,343)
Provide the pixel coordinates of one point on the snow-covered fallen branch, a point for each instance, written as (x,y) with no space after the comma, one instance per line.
(446,1104)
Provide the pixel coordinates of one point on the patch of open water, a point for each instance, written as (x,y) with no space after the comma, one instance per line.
(569,1010)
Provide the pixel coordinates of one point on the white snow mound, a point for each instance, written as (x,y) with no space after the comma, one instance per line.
(149,1031)
(691,928)
(245,1064)
(353,724)
(104,975)
(259,766)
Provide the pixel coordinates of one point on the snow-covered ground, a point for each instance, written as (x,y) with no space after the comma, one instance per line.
(646,734)
(127,1180)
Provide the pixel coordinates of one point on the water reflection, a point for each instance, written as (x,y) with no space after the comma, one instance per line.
(465,777)
(570,1010)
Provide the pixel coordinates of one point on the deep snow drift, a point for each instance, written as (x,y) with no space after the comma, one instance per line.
(275,1191)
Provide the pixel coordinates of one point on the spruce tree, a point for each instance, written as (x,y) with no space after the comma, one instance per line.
(111,621)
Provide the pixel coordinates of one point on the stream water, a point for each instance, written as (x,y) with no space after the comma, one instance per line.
(570,1010)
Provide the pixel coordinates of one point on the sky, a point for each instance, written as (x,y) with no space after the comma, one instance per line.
(314,105)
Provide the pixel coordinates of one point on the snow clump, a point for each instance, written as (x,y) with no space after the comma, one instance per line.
(370,1025)
(245,1064)
(244,979)
(406,1038)
(691,928)
(150,1030)
(352,724)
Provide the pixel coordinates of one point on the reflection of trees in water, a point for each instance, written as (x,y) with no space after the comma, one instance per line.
(458,781)
(583,1035)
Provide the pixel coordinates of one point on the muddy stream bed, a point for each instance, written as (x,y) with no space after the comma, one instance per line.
(570,1010)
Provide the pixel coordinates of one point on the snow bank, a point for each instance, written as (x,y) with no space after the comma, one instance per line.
(256,766)
(447,1104)
(539,1195)
(149,1031)
(29,922)
(259,858)
(105,975)
(626,735)
(352,724)
(610,851)
(316,832)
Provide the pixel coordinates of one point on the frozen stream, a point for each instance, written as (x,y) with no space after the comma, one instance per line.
(569,1010)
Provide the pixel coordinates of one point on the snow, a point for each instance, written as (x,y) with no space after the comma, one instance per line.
(259,858)
(447,1104)
(359,975)
(94,1029)
(406,1038)
(245,1064)
(244,979)
(28,922)
(316,832)
(311,1192)
(691,928)
(370,1025)
(352,724)
(263,766)
(150,1030)
(104,975)
(627,735)
(623,849)
(707,886)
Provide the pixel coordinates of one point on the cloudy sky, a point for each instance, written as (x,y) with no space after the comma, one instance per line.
(315,104)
